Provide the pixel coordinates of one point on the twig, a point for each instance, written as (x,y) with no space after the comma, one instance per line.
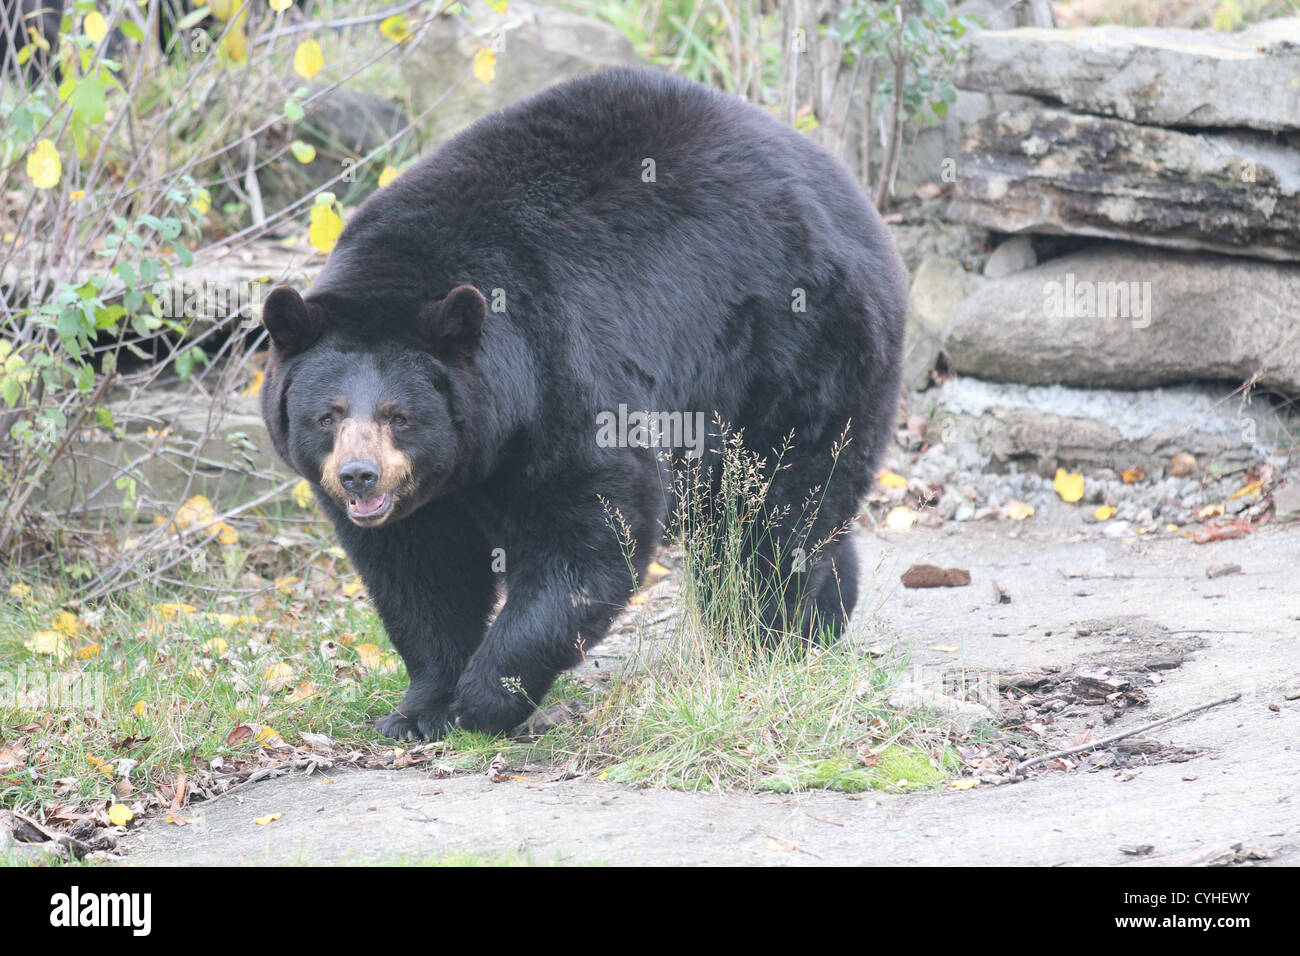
(1024,764)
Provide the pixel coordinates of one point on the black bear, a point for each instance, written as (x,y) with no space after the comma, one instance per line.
(627,240)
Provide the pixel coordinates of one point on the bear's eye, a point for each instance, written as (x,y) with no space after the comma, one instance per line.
(326,421)
(397,420)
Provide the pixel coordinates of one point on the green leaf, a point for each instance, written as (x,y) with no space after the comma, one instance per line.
(88,101)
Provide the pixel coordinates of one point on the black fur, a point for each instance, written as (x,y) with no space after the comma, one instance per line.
(670,295)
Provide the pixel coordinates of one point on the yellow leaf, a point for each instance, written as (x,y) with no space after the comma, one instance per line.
(308,59)
(303,691)
(94,26)
(222,9)
(891,479)
(170,610)
(302,495)
(269,818)
(139,708)
(66,623)
(1131,476)
(1104,513)
(198,510)
(202,202)
(77,195)
(279,6)
(44,168)
(656,571)
(100,765)
(370,654)
(1068,485)
(900,518)
(966,783)
(485,65)
(278,671)
(353,588)
(326,227)
(500,6)
(232,620)
(255,384)
(1019,511)
(234,45)
(267,737)
(285,584)
(387,176)
(50,643)
(217,646)
(303,152)
(395,28)
(119,815)
(87,652)
(18,590)
(1209,511)
(1253,489)
(226,534)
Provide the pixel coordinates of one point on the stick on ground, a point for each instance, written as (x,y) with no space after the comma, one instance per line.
(1024,764)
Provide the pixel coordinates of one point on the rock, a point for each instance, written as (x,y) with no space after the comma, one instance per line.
(1182,465)
(1162,77)
(536,46)
(1286,502)
(998,426)
(1125,317)
(938,288)
(926,236)
(1222,570)
(964,715)
(1056,172)
(933,576)
(1015,255)
(236,462)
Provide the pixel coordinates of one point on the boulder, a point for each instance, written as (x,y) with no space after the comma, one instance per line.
(536,46)
(991,426)
(1156,76)
(1049,171)
(938,287)
(1015,255)
(1124,316)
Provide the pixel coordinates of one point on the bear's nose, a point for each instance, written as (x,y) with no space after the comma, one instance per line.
(359,477)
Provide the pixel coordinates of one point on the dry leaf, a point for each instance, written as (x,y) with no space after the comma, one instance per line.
(1069,485)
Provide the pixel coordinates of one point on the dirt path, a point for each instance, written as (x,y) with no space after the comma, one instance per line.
(1076,600)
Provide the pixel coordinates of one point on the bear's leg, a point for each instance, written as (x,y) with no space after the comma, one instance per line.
(804,564)
(838,594)
(568,576)
(431,579)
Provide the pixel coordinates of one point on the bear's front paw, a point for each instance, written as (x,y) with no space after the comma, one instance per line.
(420,725)
(492,704)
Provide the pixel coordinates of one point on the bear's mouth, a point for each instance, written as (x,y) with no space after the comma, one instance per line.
(370,511)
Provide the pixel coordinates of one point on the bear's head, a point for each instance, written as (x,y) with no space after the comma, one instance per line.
(371,413)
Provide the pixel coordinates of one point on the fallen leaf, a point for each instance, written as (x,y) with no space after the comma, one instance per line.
(1069,485)
(966,783)
(1222,532)
(269,818)
(87,652)
(1210,511)
(1254,489)
(780,846)
(48,643)
(901,518)
(120,815)
(890,479)
(1019,511)
(1131,476)
(303,691)
(1104,513)
(66,623)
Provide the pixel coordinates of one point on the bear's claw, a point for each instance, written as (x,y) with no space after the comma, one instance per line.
(422,725)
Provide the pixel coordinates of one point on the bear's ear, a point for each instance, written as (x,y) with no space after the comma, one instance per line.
(293,325)
(452,325)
